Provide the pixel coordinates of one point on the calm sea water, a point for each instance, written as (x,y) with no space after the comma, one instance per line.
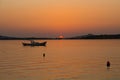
(64,60)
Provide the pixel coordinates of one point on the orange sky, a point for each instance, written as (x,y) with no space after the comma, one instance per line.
(50,18)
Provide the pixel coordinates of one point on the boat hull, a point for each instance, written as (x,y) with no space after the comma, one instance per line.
(35,44)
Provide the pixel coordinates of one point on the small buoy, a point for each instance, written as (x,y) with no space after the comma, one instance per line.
(108,64)
(43,54)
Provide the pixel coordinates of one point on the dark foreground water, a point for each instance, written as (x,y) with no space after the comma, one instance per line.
(64,60)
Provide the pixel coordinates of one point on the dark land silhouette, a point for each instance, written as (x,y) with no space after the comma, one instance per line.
(101,36)
(88,36)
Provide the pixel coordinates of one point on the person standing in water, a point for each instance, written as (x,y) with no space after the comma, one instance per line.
(108,64)
(43,54)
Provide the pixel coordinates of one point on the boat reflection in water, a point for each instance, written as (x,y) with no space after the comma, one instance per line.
(33,43)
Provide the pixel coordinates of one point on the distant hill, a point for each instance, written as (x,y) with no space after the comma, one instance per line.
(92,36)
(6,37)
(18,38)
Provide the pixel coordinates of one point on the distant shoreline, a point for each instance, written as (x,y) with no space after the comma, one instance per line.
(62,39)
(83,37)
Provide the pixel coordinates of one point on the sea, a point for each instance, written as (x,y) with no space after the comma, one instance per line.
(63,60)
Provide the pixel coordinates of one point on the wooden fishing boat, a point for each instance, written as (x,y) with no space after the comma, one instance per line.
(33,43)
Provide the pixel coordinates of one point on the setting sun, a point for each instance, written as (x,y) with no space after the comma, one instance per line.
(61,36)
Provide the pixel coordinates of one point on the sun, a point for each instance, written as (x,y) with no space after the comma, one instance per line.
(61,37)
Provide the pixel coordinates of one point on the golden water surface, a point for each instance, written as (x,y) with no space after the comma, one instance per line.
(64,60)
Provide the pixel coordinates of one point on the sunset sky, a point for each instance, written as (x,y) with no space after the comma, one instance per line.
(51,18)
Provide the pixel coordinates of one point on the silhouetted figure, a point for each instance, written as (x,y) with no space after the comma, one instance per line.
(43,54)
(108,64)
